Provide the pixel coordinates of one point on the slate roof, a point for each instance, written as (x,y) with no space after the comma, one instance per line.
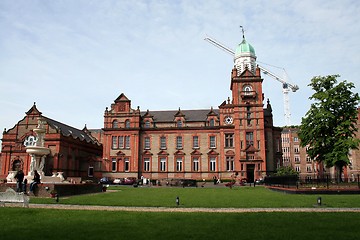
(67,131)
(190,115)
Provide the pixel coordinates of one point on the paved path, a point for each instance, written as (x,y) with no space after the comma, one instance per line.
(181,209)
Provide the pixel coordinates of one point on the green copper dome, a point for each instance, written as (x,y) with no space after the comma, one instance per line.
(244,47)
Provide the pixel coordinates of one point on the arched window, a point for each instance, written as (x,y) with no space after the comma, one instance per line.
(115,124)
(127,124)
(247,89)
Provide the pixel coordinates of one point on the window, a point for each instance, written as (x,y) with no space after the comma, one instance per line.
(30,141)
(297,168)
(179,144)
(195,142)
(162,142)
(127,124)
(179,123)
(195,164)
(212,164)
(147,143)
(147,123)
(258,144)
(212,123)
(297,159)
(296,139)
(296,149)
(91,172)
(121,142)
(212,142)
(113,164)
(229,140)
(247,89)
(229,163)
(114,143)
(249,138)
(127,142)
(115,124)
(308,168)
(248,116)
(162,164)
(146,164)
(308,159)
(178,164)
(126,164)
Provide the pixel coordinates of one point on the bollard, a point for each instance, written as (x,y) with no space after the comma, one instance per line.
(57,198)
(319,201)
(177,201)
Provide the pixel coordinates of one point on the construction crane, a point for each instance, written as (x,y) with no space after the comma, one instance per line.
(285,85)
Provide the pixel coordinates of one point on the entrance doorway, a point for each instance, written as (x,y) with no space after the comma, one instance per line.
(250,169)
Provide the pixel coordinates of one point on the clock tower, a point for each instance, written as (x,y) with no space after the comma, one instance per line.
(243,115)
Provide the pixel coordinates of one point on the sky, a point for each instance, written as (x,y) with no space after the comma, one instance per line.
(74,58)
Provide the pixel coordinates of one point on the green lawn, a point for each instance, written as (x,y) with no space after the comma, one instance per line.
(75,224)
(31,223)
(244,197)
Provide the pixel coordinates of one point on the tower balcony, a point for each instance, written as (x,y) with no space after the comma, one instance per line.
(248,94)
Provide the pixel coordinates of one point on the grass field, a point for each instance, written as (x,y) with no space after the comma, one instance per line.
(244,197)
(74,224)
(34,223)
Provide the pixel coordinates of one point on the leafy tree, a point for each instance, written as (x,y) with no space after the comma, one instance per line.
(286,171)
(329,127)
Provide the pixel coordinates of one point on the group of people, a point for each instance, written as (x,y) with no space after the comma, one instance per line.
(21,181)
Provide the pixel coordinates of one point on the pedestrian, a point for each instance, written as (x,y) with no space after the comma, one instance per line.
(215,180)
(19,180)
(35,182)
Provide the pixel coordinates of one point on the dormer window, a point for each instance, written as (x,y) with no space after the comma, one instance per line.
(147,124)
(179,123)
(212,122)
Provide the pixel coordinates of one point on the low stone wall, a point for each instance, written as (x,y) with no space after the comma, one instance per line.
(62,189)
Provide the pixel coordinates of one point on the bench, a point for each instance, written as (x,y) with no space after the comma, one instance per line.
(10,196)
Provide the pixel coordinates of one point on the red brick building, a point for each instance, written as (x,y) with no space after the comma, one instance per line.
(238,137)
(73,152)
(296,156)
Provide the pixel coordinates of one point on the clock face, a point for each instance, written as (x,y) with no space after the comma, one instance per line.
(228,120)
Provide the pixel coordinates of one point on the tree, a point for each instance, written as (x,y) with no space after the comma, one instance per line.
(286,171)
(328,129)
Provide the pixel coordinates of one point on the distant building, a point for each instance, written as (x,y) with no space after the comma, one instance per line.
(295,156)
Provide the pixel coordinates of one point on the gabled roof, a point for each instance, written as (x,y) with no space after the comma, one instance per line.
(122,98)
(33,110)
(190,115)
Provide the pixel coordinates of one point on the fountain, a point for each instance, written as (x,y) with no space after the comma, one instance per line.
(37,151)
(38,154)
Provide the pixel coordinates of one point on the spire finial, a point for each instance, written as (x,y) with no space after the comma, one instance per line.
(243,32)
